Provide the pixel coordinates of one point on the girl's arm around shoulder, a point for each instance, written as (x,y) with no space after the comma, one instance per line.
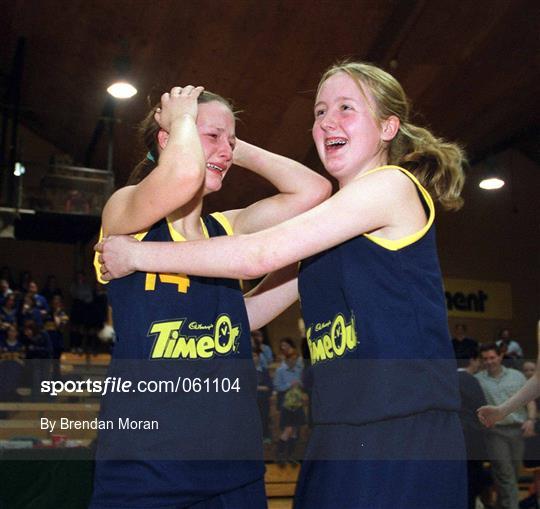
(385,202)
(378,202)
(299,189)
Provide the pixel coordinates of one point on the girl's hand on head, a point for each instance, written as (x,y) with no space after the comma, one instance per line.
(175,104)
(489,415)
(117,256)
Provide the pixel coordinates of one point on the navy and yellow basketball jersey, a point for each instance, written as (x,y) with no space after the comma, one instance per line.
(191,331)
(376,327)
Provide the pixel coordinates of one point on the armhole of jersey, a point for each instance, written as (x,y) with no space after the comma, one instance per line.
(223,221)
(97,266)
(397,244)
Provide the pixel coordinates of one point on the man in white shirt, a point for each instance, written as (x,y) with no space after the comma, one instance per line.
(505,440)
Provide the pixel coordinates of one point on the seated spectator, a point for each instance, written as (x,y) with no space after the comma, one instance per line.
(12,354)
(257,341)
(55,325)
(264,392)
(288,384)
(38,350)
(37,341)
(5,290)
(40,300)
(24,281)
(463,345)
(98,312)
(12,347)
(51,289)
(29,311)
(6,274)
(512,347)
(8,314)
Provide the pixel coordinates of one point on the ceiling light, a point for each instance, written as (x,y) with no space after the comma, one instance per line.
(122,90)
(19,169)
(491,183)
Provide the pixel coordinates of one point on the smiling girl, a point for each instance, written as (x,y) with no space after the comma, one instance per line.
(386,432)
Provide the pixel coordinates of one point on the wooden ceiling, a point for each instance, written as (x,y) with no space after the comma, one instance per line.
(470,68)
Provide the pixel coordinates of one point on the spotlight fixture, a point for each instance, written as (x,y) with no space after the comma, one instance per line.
(122,90)
(492,178)
(491,183)
(19,169)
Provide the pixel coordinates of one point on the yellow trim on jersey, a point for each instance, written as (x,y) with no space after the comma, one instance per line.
(178,237)
(226,225)
(97,265)
(140,236)
(223,221)
(396,244)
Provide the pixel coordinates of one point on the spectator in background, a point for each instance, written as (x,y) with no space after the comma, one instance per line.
(36,340)
(77,203)
(24,281)
(307,378)
(5,290)
(12,347)
(8,314)
(463,345)
(472,398)
(81,293)
(39,300)
(257,341)
(505,441)
(290,401)
(29,311)
(39,351)
(5,273)
(512,347)
(51,289)
(264,392)
(98,316)
(55,325)
(12,354)
(528,369)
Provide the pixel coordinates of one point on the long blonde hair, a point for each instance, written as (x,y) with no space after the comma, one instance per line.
(436,163)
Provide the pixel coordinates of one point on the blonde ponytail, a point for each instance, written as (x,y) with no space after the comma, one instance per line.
(437,164)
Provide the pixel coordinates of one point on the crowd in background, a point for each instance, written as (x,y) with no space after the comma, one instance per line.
(490,373)
(36,327)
